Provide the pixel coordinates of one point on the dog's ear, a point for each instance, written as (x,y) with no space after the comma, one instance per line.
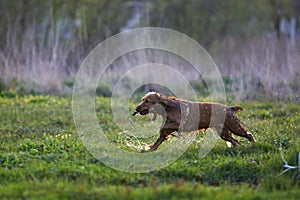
(169,102)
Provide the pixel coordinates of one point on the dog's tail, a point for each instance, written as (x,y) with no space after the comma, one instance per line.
(235,109)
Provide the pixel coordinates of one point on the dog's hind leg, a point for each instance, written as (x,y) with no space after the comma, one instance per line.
(226,135)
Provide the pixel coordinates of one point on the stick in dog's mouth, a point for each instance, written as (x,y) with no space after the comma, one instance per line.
(135,112)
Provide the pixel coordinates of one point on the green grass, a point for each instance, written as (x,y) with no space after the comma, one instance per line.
(42,157)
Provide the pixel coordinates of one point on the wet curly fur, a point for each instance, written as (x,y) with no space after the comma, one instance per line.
(184,116)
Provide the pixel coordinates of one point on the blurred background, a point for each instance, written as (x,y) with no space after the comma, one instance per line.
(254,43)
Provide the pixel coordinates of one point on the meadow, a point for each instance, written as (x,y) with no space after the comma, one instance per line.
(42,157)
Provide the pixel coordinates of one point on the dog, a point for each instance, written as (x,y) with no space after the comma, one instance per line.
(184,116)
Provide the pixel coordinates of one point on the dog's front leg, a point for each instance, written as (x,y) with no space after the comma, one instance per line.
(157,143)
(154,117)
(163,136)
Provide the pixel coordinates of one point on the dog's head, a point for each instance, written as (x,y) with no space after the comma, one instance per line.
(148,101)
(154,102)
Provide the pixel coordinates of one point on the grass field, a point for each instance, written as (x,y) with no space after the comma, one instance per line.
(42,157)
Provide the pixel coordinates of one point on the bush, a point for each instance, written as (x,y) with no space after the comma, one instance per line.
(103,90)
(3,86)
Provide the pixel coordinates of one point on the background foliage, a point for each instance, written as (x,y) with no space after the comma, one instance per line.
(253,42)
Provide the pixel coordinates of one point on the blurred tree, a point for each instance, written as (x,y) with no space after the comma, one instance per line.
(38,34)
(91,21)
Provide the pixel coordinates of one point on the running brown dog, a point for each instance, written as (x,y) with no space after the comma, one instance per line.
(184,116)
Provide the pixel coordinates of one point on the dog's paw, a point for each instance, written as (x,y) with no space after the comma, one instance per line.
(250,137)
(228,144)
(146,148)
